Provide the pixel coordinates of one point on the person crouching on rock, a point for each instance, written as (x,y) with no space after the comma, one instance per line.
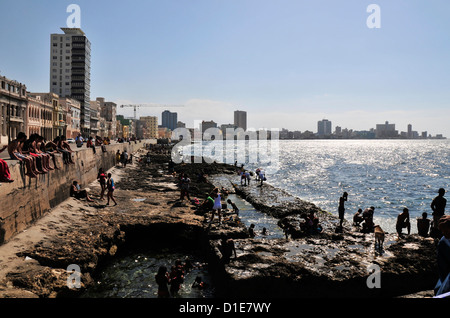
(76,192)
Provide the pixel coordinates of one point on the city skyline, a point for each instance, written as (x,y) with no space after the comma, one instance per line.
(288,65)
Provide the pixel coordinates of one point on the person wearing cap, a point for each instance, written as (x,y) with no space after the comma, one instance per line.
(443,257)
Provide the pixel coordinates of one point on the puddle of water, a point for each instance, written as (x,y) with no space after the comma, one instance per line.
(138,199)
(296,249)
(249,215)
(133,276)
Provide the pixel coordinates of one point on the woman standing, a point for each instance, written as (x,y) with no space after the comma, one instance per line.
(111,187)
(217,205)
(163,280)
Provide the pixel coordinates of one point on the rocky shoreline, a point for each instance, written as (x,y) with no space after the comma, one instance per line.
(150,213)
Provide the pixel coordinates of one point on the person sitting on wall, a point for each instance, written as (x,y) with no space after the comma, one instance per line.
(77,193)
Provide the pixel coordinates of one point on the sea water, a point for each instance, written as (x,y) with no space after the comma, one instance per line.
(386,174)
(133,276)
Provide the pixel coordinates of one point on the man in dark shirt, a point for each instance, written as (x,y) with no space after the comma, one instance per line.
(438,206)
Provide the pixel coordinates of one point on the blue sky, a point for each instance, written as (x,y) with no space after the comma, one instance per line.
(288,63)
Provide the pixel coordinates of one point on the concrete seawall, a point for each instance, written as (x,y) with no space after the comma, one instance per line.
(26,200)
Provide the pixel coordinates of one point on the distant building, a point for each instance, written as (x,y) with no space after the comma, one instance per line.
(240,119)
(324,127)
(208,124)
(95,117)
(386,130)
(150,127)
(35,110)
(58,113)
(228,134)
(169,120)
(13,105)
(72,109)
(410,132)
(70,70)
(108,111)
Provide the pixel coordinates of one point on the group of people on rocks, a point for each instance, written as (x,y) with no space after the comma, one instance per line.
(425,226)
(106,184)
(170,283)
(245,176)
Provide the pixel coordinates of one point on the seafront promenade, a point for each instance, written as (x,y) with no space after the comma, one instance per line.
(27,199)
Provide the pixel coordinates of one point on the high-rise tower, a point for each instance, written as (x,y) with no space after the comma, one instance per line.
(240,119)
(70,70)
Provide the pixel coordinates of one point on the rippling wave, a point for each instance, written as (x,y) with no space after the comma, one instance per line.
(386,174)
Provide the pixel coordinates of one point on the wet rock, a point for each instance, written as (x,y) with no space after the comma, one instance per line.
(329,264)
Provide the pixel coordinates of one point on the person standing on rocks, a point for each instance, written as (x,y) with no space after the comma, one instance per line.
(217,206)
(262,177)
(341,208)
(438,206)
(184,187)
(162,279)
(118,157)
(111,187)
(101,177)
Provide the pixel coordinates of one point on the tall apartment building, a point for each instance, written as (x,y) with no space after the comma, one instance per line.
(324,127)
(169,120)
(70,70)
(240,119)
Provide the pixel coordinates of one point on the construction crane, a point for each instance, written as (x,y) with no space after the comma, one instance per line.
(148,105)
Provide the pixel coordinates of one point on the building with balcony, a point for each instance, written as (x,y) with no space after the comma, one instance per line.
(58,113)
(95,117)
(150,127)
(108,111)
(72,109)
(35,110)
(13,107)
